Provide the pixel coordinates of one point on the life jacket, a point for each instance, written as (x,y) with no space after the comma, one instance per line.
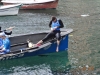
(60,22)
(55,24)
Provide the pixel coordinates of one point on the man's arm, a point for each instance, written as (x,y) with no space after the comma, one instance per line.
(61,24)
(50,23)
(8,33)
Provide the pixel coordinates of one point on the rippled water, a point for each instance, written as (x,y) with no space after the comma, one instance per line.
(83,56)
(48,64)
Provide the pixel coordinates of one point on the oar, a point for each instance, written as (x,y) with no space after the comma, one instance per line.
(10,28)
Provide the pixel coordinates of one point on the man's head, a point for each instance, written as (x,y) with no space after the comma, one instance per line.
(2,35)
(54,19)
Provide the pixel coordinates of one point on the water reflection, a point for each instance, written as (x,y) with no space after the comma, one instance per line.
(42,11)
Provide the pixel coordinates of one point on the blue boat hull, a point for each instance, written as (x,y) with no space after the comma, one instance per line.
(50,48)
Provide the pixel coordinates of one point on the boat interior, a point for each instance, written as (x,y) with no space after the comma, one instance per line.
(20,42)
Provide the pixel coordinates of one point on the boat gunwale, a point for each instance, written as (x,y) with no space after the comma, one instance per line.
(45,32)
(10,6)
(30,2)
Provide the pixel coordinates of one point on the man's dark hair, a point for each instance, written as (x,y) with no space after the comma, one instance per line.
(53,18)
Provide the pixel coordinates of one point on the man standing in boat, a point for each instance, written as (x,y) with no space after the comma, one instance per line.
(55,26)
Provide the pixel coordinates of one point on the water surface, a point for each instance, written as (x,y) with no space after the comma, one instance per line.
(83,56)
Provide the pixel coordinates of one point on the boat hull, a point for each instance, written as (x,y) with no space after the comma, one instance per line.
(50,48)
(9,11)
(21,50)
(46,5)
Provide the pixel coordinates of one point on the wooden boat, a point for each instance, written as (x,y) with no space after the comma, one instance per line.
(33,4)
(9,9)
(20,49)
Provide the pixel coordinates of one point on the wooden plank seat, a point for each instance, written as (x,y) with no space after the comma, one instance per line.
(16,48)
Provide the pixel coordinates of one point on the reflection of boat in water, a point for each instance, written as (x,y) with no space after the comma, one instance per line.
(20,49)
(9,9)
(34,4)
(43,11)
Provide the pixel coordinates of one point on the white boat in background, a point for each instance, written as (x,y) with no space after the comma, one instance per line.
(34,4)
(9,9)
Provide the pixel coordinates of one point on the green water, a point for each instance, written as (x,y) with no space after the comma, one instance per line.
(53,62)
(83,56)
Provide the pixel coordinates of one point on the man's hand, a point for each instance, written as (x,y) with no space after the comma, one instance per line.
(1,50)
(52,29)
